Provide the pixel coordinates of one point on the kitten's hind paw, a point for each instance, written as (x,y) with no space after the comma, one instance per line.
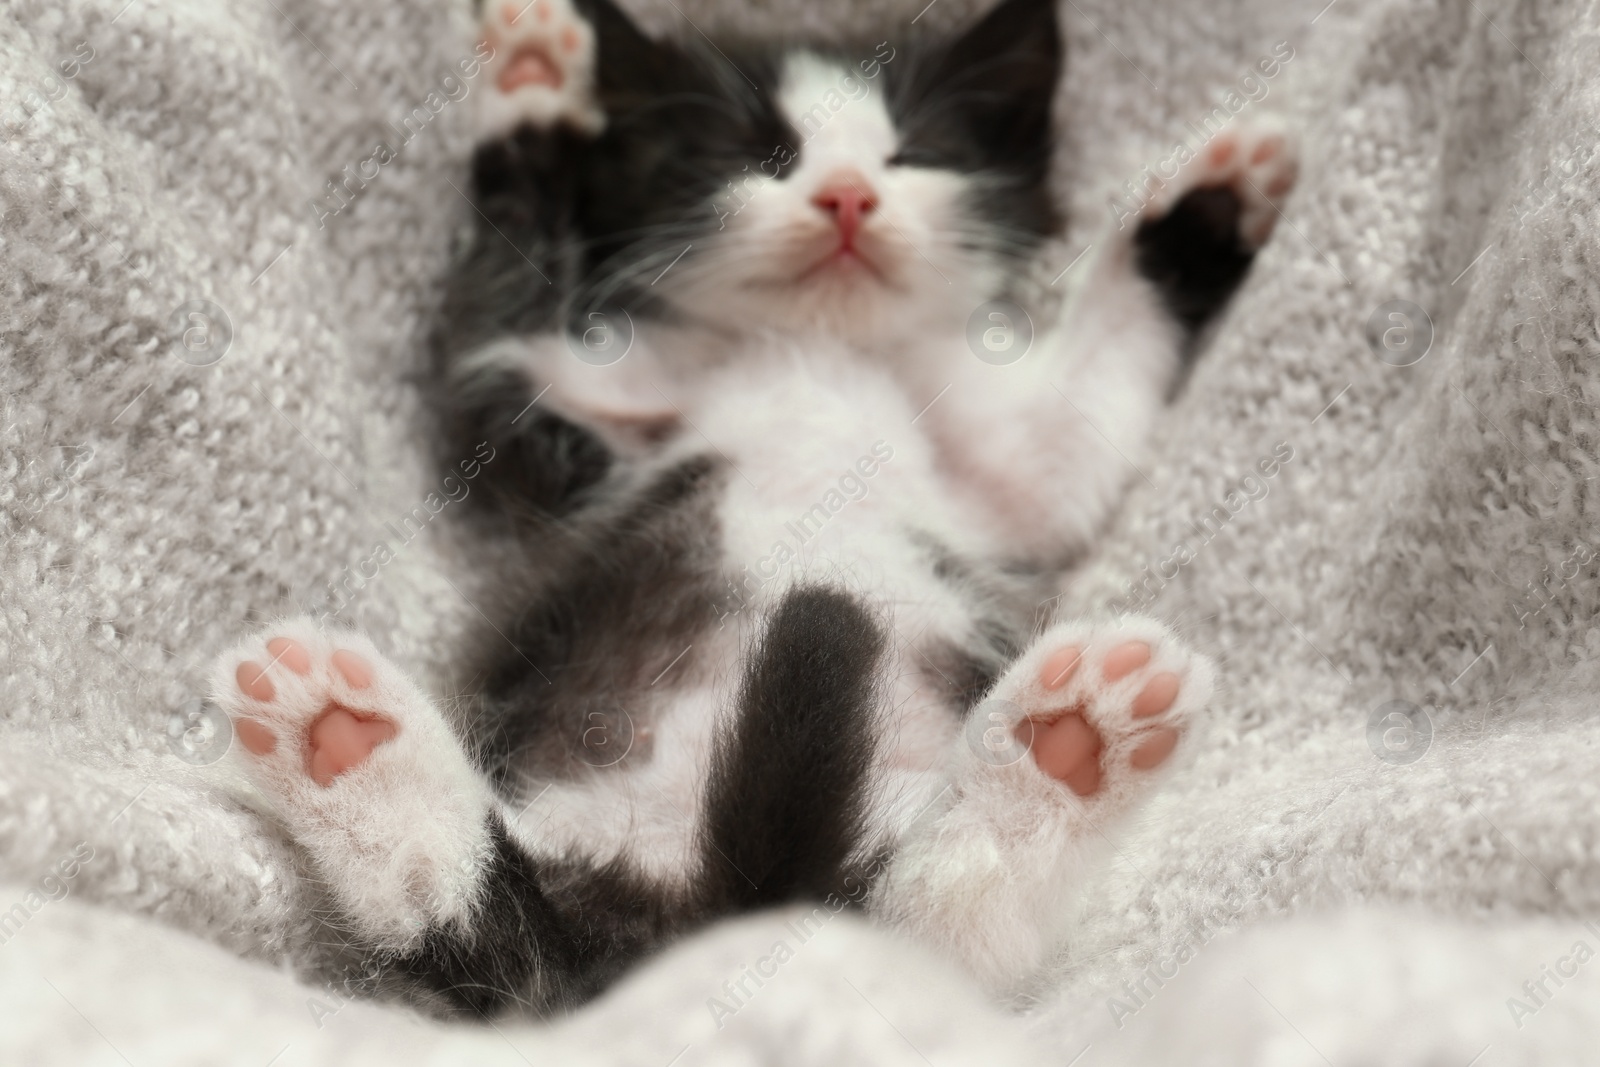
(542,70)
(1100,709)
(363,770)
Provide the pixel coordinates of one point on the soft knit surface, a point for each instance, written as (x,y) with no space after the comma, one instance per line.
(1432,540)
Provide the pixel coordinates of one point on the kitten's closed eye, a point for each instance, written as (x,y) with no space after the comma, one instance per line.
(912,157)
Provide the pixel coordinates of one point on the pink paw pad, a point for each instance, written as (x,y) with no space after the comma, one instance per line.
(255,737)
(1068,748)
(291,654)
(356,671)
(530,66)
(339,738)
(254,683)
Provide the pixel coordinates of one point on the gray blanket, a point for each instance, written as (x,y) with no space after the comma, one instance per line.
(1387,845)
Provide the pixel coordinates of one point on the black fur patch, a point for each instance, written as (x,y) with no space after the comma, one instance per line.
(1194,255)
(786,798)
(629,589)
(551,932)
(981,104)
(998,603)
(544,465)
(684,117)
(513,279)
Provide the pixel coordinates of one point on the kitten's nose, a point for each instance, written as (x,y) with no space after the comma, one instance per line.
(847,197)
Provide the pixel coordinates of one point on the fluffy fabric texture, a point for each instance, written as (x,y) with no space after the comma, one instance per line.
(1431,541)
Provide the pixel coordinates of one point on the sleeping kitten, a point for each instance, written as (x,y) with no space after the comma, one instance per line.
(787,532)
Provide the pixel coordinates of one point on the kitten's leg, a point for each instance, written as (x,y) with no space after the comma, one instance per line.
(507,296)
(1046,445)
(536,116)
(1078,728)
(371,782)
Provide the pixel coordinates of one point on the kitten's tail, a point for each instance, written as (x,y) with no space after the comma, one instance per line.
(786,800)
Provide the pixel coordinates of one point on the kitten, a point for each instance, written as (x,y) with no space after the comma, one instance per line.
(791,490)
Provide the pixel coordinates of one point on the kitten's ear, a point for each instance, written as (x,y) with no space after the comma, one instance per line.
(999,77)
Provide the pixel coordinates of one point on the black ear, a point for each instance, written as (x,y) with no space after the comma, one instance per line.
(994,85)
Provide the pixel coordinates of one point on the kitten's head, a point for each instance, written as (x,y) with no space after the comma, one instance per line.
(864,191)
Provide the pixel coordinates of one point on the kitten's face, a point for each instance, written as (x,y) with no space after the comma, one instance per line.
(842,235)
(864,195)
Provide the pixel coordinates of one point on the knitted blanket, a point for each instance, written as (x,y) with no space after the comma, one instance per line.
(221,230)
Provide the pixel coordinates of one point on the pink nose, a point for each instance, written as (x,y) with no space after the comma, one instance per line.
(845,198)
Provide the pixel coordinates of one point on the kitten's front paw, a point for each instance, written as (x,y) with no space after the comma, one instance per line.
(1238,179)
(1101,709)
(542,71)
(363,770)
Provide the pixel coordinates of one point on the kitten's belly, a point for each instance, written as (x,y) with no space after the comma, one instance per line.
(645,806)
(831,482)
